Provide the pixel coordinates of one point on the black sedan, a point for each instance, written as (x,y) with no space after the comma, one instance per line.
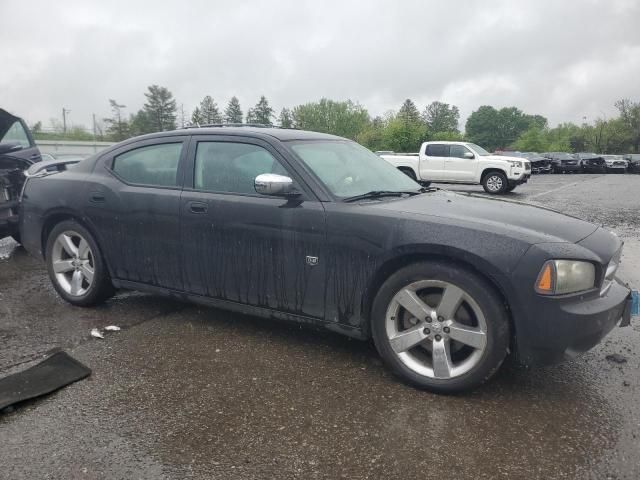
(316,229)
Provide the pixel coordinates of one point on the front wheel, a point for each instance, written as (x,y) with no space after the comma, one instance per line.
(440,327)
(76,267)
(495,182)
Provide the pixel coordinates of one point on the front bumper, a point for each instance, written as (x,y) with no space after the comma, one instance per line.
(568,327)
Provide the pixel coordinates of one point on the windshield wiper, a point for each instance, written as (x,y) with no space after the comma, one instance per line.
(381,193)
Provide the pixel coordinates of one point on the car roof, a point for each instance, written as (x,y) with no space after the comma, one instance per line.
(283,134)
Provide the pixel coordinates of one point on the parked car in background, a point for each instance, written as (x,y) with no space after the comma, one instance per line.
(633,162)
(562,162)
(615,163)
(539,163)
(313,228)
(592,162)
(18,152)
(463,162)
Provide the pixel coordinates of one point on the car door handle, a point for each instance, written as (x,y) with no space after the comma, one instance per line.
(198,207)
(96,198)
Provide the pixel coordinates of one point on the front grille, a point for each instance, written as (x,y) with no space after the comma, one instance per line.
(619,164)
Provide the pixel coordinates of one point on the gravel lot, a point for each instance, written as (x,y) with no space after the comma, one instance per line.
(190,392)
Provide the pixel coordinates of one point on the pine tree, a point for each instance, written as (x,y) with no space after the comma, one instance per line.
(209,111)
(196,117)
(160,109)
(262,113)
(233,112)
(409,112)
(285,120)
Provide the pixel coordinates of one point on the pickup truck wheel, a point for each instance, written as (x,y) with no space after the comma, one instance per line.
(76,267)
(440,327)
(495,182)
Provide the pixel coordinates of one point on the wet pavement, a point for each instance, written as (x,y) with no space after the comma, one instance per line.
(190,392)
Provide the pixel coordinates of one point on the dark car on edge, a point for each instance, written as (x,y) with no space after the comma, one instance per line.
(562,162)
(18,152)
(317,229)
(633,162)
(592,162)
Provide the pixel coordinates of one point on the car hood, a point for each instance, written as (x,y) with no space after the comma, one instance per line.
(536,224)
(504,158)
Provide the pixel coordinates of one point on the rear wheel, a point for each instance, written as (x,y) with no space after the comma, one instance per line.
(495,182)
(440,327)
(76,267)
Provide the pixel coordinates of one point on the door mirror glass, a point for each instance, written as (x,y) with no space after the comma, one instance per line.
(468,155)
(274,185)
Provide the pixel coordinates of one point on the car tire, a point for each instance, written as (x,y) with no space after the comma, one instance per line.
(479,310)
(76,265)
(495,183)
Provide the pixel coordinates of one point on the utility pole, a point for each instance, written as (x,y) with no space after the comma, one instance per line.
(94,127)
(65,111)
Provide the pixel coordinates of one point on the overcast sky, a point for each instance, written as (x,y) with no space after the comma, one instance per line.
(562,59)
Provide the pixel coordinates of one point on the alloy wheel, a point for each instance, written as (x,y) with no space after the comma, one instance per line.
(494,183)
(73,263)
(436,329)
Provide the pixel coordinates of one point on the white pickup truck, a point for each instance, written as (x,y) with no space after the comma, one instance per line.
(462,162)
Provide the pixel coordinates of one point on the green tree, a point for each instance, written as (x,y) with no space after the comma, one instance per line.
(409,112)
(36,127)
(196,117)
(401,135)
(630,115)
(285,120)
(492,129)
(262,113)
(346,119)
(372,136)
(441,117)
(140,124)
(118,129)
(233,112)
(160,109)
(532,140)
(209,111)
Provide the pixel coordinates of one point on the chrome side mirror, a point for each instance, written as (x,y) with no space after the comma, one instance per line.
(274,185)
(468,155)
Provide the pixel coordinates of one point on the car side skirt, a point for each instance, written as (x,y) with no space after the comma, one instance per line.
(347,330)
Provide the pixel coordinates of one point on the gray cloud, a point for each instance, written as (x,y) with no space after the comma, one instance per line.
(565,60)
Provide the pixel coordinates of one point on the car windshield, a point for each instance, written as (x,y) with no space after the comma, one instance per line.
(348,169)
(478,149)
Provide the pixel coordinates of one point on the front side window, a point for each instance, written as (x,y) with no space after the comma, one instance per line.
(458,151)
(15,133)
(348,169)
(437,150)
(155,165)
(478,149)
(232,167)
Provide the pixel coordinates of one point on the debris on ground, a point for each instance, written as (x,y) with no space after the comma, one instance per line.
(616,358)
(112,328)
(51,374)
(95,333)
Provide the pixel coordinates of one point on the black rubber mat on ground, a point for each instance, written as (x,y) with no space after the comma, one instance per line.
(48,376)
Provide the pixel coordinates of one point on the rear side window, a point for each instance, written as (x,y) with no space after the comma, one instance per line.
(437,150)
(232,167)
(151,165)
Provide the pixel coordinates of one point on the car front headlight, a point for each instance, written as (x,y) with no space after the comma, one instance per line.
(559,277)
(515,163)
